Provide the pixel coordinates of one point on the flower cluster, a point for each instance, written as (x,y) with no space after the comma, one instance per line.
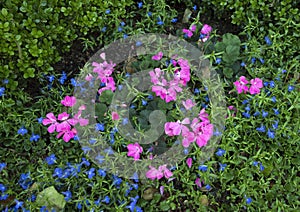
(204,32)
(63,124)
(201,131)
(168,90)
(159,173)
(241,85)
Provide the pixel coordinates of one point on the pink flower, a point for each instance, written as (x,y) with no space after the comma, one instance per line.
(189,162)
(115,116)
(69,101)
(153,173)
(51,119)
(89,77)
(203,115)
(104,70)
(77,119)
(158,56)
(256,85)
(198,182)
(241,85)
(110,85)
(193,28)
(174,128)
(134,150)
(67,133)
(166,172)
(161,190)
(188,104)
(187,32)
(204,134)
(206,29)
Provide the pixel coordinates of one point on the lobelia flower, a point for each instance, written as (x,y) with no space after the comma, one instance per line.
(134,150)
(256,85)
(241,85)
(158,56)
(69,101)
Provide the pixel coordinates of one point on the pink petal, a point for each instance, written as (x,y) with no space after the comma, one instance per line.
(189,162)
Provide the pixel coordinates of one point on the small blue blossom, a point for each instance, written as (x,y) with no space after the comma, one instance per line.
(18,204)
(122,23)
(140,5)
(222,167)
(247,108)
(2,166)
(2,188)
(34,137)
(149,14)
(40,120)
(243,64)
(51,159)
(101,172)
(283,71)
(22,131)
(2,90)
(85,162)
(68,195)
(261,167)
(246,115)
(125,121)
(3,196)
(107,11)
(132,106)
(91,173)
(202,168)
(290,88)
(248,200)
(58,172)
(218,60)
(99,127)
(261,128)
(144,102)
(195,7)
(266,83)
(264,114)
(120,29)
(51,78)
(103,29)
(208,187)
(174,20)
(268,41)
(276,111)
(253,60)
(25,180)
(275,125)
(220,152)
(63,78)
(196,91)
(106,199)
(99,158)
(246,101)
(271,134)
(257,113)
(160,22)
(262,61)
(125,36)
(273,99)
(272,84)
(138,43)
(5,81)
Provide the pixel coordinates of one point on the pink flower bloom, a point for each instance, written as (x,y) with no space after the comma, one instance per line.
(256,85)
(77,119)
(187,32)
(189,162)
(155,75)
(134,150)
(241,85)
(104,70)
(158,56)
(174,128)
(153,173)
(110,85)
(193,28)
(198,182)
(166,172)
(206,29)
(203,115)
(51,119)
(188,138)
(188,104)
(115,116)
(89,77)
(204,135)
(67,133)
(69,101)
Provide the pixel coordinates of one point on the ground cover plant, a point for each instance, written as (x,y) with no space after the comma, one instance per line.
(45,163)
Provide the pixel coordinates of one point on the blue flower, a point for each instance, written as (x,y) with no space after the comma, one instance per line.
(222,166)
(144,102)
(5,81)
(99,127)
(138,43)
(264,114)
(220,152)
(268,41)
(208,187)
(196,91)
(34,137)
(271,134)
(132,106)
(174,20)
(2,188)
(290,88)
(2,89)
(122,23)
(107,11)
(2,166)
(100,158)
(253,60)
(218,60)
(63,78)
(257,113)
(116,180)
(246,115)
(68,195)
(125,36)
(18,204)
(261,128)
(202,168)
(120,29)
(40,120)
(275,125)
(248,200)
(245,101)
(272,84)
(265,83)
(51,78)
(91,173)
(195,7)
(58,172)
(135,177)
(243,64)
(273,99)
(149,14)
(101,172)
(3,196)
(51,159)
(106,199)
(25,180)
(22,131)
(261,167)
(247,108)
(103,29)
(160,22)
(276,111)
(85,162)
(262,61)
(140,5)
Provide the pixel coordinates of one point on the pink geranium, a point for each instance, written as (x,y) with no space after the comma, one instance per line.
(256,85)
(134,150)
(174,128)
(158,56)
(69,101)
(241,85)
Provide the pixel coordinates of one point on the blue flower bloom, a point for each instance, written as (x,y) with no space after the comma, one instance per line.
(261,167)
(85,162)
(243,64)
(272,84)
(290,88)
(34,137)
(25,180)
(122,23)
(116,181)
(63,78)
(265,83)
(120,29)
(3,196)
(100,158)
(268,41)
(106,199)
(202,168)
(99,127)
(144,102)
(140,5)
(91,173)
(51,78)
(196,91)
(283,71)
(149,14)
(51,159)
(160,22)
(262,61)
(32,198)
(68,195)
(103,29)
(208,187)
(253,60)
(2,166)
(174,20)
(248,200)
(271,134)
(273,99)
(245,101)
(247,108)
(101,172)
(255,163)
(195,7)
(125,36)
(264,114)
(275,125)
(2,188)
(2,89)
(40,120)
(58,172)
(261,128)
(5,81)
(132,106)
(220,152)
(218,60)
(257,113)
(138,43)
(107,11)
(22,131)
(18,204)
(276,111)
(246,115)
(222,167)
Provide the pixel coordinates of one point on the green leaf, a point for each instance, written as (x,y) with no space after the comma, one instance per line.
(50,198)
(220,47)
(233,51)
(100,110)
(4,12)
(230,39)
(106,96)
(228,72)
(164,206)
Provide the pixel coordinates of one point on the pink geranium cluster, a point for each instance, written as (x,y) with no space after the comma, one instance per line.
(200,129)
(189,32)
(168,90)
(104,71)
(159,173)
(241,85)
(205,32)
(63,124)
